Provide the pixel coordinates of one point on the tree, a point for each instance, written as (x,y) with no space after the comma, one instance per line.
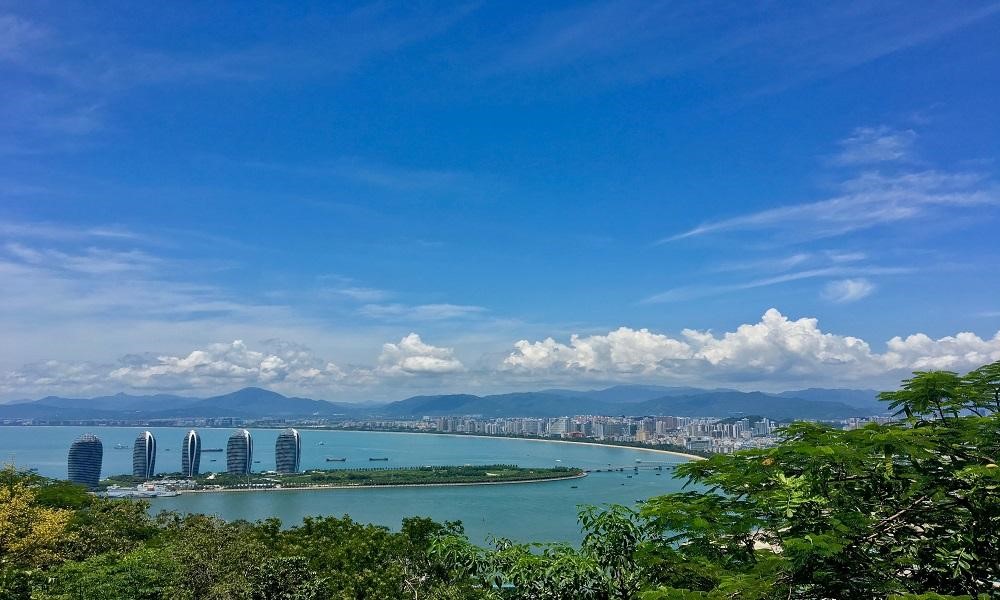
(909,509)
(30,533)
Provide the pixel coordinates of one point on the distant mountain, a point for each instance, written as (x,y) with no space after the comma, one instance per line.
(119,402)
(555,403)
(524,404)
(245,403)
(726,404)
(867,399)
(630,393)
(257,403)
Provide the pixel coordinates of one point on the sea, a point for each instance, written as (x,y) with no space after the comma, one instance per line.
(525,512)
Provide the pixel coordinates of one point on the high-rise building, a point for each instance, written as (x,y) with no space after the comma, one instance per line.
(288,451)
(191,454)
(239,453)
(84,462)
(144,456)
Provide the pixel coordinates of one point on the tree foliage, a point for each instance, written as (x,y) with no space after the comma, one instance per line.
(909,509)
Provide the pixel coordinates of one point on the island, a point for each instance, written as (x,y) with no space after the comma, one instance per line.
(127,485)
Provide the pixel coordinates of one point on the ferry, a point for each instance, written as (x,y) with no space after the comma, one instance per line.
(122,446)
(378,458)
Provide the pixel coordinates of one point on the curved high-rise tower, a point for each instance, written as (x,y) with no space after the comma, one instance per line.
(191,454)
(84,462)
(144,456)
(288,451)
(239,453)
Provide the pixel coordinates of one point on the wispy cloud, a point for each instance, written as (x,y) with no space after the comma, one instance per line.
(71,79)
(868,200)
(702,291)
(871,145)
(632,41)
(421,312)
(843,291)
(18,36)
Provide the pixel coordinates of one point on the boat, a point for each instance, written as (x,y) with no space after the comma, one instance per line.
(377,458)
(332,459)
(321,444)
(211,450)
(572,487)
(213,460)
(122,446)
(256,462)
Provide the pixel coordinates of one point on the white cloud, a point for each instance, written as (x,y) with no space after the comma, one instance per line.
(775,353)
(774,350)
(958,352)
(865,201)
(848,290)
(232,364)
(869,145)
(421,312)
(693,292)
(361,294)
(411,356)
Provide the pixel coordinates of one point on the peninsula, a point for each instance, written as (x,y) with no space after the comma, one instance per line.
(352,478)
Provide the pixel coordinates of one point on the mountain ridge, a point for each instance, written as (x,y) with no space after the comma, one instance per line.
(256,403)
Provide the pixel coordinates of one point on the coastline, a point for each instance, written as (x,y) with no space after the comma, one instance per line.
(521,439)
(337,486)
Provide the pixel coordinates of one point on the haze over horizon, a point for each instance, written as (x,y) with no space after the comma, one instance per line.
(367,203)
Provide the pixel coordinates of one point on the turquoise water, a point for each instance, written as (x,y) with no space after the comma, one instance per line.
(524,512)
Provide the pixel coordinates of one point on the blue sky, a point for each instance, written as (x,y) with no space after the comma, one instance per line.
(363,202)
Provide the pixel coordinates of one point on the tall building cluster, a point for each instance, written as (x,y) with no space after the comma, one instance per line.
(86,455)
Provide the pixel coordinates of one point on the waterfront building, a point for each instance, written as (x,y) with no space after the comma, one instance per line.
(191,454)
(288,451)
(84,462)
(144,456)
(239,453)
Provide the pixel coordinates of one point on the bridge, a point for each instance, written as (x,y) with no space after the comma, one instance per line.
(635,467)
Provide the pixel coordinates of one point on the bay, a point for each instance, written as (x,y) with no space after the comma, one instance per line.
(524,512)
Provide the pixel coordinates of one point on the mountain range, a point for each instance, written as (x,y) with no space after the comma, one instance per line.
(634,400)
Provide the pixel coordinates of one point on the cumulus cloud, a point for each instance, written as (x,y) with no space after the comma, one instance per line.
(776,352)
(230,364)
(411,356)
(848,290)
(776,348)
(957,352)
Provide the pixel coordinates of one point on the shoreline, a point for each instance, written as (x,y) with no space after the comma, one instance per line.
(337,486)
(520,439)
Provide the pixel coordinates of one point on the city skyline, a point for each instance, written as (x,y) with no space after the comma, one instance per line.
(370,202)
